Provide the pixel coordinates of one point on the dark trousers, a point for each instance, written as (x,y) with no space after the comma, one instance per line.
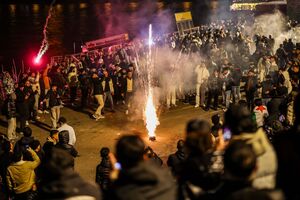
(24,113)
(250,99)
(30,195)
(213,94)
(84,97)
(73,93)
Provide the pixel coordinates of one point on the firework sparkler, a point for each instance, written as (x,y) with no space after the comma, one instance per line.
(150,111)
(45,45)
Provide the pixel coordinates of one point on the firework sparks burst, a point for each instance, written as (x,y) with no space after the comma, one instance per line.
(45,45)
(151,118)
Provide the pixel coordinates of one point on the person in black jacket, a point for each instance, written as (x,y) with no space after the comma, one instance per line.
(267,89)
(10,112)
(240,163)
(214,89)
(176,160)
(84,80)
(203,167)
(63,143)
(51,141)
(150,155)
(6,157)
(54,97)
(98,94)
(103,171)
(22,106)
(61,182)
(250,88)
(236,81)
(139,179)
(226,86)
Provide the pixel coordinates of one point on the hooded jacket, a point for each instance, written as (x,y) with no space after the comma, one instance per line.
(175,161)
(64,143)
(266,158)
(70,185)
(144,181)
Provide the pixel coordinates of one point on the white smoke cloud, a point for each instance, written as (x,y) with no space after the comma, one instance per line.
(275,24)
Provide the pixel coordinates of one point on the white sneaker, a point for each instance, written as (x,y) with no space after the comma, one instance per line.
(46,112)
(197,106)
(37,118)
(94,116)
(100,117)
(40,112)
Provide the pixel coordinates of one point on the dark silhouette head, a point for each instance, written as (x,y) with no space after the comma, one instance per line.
(239,160)
(180,145)
(198,137)
(104,152)
(238,119)
(130,150)
(27,132)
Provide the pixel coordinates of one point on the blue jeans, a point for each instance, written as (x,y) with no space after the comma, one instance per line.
(236,93)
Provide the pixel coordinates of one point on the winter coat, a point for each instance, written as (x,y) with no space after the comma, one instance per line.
(64,143)
(175,162)
(144,181)
(214,83)
(261,112)
(98,88)
(10,109)
(69,185)
(107,84)
(84,82)
(287,147)
(227,82)
(266,158)
(276,107)
(202,74)
(46,79)
(287,81)
(58,79)
(202,171)
(54,98)
(239,189)
(72,79)
(236,77)
(103,171)
(35,83)
(267,87)
(8,83)
(48,145)
(21,175)
(251,84)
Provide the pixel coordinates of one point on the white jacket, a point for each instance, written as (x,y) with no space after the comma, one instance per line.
(202,74)
(287,81)
(35,83)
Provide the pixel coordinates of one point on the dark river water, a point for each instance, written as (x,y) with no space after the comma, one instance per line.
(21,25)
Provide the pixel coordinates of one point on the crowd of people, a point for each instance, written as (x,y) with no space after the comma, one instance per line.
(248,156)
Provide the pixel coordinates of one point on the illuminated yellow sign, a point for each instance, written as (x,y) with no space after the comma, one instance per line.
(243,6)
(183,16)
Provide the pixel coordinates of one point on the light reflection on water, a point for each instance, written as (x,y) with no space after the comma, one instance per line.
(21,25)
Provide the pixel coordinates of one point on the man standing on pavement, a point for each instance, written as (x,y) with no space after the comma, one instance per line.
(202,75)
(62,122)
